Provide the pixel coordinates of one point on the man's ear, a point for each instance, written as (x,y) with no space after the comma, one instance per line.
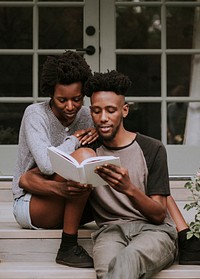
(125,110)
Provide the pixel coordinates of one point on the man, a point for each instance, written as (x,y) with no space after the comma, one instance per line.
(136,237)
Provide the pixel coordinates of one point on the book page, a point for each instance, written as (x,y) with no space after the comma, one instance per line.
(64,167)
(67,156)
(96,159)
(92,177)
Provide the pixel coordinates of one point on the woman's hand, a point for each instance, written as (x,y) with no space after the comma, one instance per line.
(86,136)
(70,189)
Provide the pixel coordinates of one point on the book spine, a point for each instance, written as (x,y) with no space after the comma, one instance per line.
(82,175)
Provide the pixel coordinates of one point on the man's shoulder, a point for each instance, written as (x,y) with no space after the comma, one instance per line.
(150,146)
(144,140)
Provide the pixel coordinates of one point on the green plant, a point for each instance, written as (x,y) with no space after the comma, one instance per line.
(194,187)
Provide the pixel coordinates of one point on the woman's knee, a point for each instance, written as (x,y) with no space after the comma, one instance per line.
(83,153)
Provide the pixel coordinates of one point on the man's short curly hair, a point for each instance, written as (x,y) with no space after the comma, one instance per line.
(109,81)
(64,69)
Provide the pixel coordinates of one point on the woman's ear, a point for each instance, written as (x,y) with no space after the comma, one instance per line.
(125,110)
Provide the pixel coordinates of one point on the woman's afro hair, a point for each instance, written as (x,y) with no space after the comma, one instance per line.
(64,69)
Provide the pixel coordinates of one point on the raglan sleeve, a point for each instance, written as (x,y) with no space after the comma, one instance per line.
(158,176)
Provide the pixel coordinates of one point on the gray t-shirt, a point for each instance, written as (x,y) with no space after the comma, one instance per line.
(145,158)
(40,129)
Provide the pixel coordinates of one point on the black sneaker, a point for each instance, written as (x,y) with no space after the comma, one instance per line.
(189,249)
(75,257)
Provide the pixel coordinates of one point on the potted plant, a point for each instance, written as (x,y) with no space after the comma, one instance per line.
(194,187)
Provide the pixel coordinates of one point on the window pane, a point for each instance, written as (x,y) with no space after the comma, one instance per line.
(144,118)
(138,27)
(144,71)
(138,1)
(16,1)
(42,59)
(182,0)
(60,0)
(176,120)
(16,27)
(10,119)
(181,23)
(15,76)
(178,75)
(183,123)
(60,28)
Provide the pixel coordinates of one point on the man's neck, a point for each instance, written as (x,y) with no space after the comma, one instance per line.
(120,140)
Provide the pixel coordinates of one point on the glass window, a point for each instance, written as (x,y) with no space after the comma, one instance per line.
(144,71)
(42,59)
(144,118)
(60,28)
(138,27)
(15,76)
(176,120)
(178,75)
(180,27)
(10,120)
(16,27)
(40,1)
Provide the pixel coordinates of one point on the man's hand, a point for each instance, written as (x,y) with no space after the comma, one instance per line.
(86,136)
(117,177)
(153,207)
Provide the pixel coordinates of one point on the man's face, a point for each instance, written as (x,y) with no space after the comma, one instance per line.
(108,110)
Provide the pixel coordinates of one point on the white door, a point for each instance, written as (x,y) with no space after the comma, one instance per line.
(152,42)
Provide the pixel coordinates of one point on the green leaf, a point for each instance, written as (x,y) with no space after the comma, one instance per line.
(188,185)
(189,235)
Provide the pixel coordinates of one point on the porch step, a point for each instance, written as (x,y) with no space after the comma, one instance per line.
(18,244)
(49,270)
(30,254)
(40,270)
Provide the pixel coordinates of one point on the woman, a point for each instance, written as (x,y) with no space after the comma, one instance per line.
(41,198)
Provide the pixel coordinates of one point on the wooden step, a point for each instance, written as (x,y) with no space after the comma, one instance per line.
(6,191)
(28,254)
(39,245)
(40,270)
(6,212)
(49,270)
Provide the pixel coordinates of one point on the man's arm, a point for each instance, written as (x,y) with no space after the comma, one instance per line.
(153,207)
(33,181)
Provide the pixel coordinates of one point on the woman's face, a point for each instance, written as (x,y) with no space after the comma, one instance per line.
(67,101)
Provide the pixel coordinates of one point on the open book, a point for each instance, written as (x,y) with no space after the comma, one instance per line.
(66,166)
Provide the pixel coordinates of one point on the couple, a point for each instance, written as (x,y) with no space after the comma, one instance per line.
(136,236)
